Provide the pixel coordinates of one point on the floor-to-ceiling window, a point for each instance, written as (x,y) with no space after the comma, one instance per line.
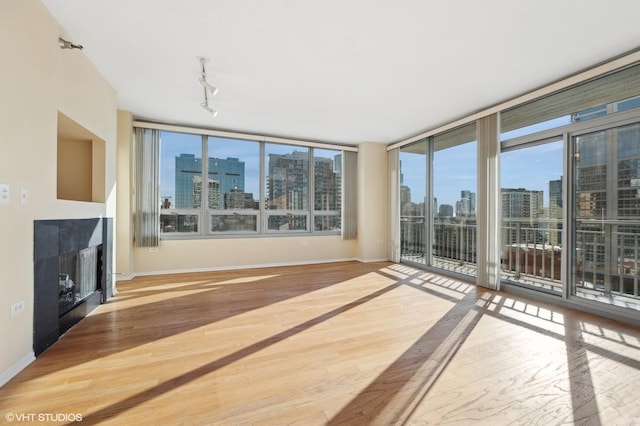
(413,192)
(569,201)
(454,188)
(438,183)
(531,213)
(606,204)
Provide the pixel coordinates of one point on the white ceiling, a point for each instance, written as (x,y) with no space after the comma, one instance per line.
(342,71)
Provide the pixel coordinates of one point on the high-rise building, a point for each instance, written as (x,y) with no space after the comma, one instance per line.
(446,210)
(521,210)
(328,185)
(187,167)
(555,212)
(224,176)
(213,193)
(467,205)
(287,184)
(229,173)
(405,196)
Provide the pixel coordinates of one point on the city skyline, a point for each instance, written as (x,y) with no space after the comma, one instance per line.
(458,171)
(181,168)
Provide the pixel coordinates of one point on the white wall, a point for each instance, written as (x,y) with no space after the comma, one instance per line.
(38,79)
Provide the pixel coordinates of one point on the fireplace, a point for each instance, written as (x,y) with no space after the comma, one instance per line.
(72,274)
(77,277)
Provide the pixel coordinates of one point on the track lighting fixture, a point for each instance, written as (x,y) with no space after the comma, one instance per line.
(65,44)
(207,108)
(212,89)
(209,90)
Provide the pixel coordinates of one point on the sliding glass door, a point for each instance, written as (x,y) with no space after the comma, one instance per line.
(532,205)
(454,182)
(413,186)
(606,204)
(438,186)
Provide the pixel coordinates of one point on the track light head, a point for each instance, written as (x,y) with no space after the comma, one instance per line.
(212,89)
(207,108)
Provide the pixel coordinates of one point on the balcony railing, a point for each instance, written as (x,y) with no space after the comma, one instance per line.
(532,252)
(607,257)
(454,243)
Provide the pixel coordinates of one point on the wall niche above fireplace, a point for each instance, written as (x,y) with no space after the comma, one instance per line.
(72,274)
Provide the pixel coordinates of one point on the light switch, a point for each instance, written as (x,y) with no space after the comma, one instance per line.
(24,196)
(4,193)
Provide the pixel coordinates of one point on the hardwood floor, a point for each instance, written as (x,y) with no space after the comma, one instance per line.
(339,344)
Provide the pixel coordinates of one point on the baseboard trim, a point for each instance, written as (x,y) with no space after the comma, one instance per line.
(125,277)
(12,371)
(382,259)
(236,267)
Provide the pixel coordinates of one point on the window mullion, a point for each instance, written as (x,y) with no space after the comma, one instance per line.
(204,207)
(312,190)
(262,217)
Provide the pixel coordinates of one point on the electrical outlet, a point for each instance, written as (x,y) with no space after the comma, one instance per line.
(17,307)
(4,193)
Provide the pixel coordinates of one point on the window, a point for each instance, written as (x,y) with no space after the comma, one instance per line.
(327,190)
(607,215)
(440,233)
(287,188)
(532,205)
(413,193)
(181,188)
(234,170)
(454,200)
(245,187)
(566,214)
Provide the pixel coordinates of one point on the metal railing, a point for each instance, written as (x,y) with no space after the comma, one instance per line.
(454,242)
(607,255)
(532,252)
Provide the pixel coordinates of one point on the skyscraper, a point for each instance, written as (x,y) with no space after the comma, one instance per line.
(467,205)
(446,210)
(287,184)
(224,175)
(521,209)
(555,212)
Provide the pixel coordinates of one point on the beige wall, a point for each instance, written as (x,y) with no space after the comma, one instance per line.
(212,254)
(372,202)
(124,225)
(37,81)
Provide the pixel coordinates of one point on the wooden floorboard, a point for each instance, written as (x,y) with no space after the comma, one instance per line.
(340,344)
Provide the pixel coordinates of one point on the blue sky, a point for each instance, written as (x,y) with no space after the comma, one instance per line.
(455,169)
(174,144)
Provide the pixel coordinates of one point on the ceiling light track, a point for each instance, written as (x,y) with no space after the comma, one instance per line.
(209,90)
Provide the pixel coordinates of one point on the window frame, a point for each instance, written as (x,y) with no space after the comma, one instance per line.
(262,214)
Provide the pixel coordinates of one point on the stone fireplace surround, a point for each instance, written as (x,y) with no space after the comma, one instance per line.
(51,239)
